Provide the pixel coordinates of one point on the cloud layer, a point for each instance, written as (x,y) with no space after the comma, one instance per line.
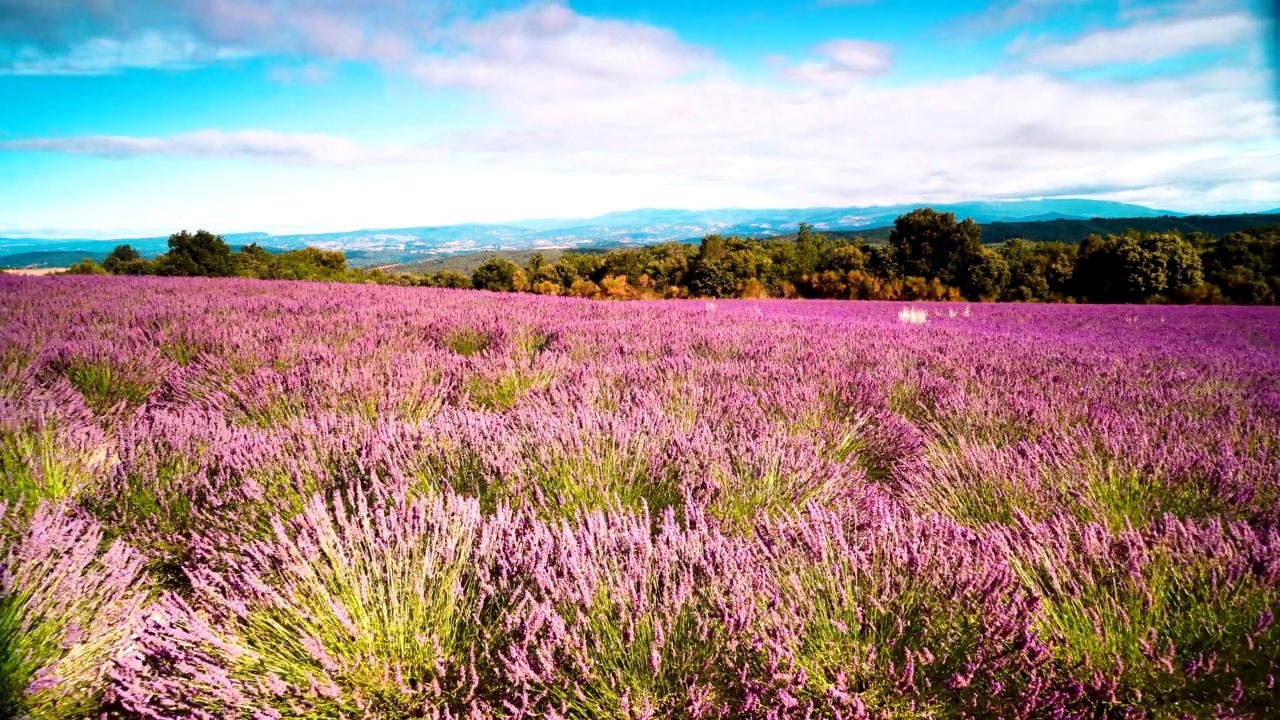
(1147,42)
(571,94)
(301,149)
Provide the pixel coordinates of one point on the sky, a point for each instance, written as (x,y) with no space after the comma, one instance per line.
(124,118)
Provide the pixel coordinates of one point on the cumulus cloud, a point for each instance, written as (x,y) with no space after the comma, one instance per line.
(548,50)
(300,149)
(993,135)
(1144,42)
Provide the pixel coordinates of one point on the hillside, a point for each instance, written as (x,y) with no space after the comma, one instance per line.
(1075,231)
(468,262)
(432,247)
(382,246)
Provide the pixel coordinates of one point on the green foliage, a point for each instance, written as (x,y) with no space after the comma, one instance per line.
(308,264)
(578,266)
(37,464)
(931,244)
(1155,623)
(451,279)
(1245,266)
(121,256)
(987,274)
(105,385)
(498,275)
(86,267)
(1137,267)
(202,254)
(712,279)
(929,256)
(1039,272)
(467,342)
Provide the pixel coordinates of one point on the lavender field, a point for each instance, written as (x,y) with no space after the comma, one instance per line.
(242,499)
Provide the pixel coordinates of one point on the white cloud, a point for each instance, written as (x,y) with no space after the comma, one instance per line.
(583,108)
(992,135)
(302,149)
(843,62)
(1144,42)
(107,55)
(1002,14)
(545,51)
(97,36)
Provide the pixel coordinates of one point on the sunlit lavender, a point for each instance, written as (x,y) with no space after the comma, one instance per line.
(240,499)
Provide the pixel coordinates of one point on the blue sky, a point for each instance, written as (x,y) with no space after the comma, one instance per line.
(123,118)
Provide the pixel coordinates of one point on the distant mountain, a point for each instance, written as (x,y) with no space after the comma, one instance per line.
(1074,231)
(50,258)
(630,227)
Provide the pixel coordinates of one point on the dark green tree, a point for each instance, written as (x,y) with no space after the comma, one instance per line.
(883,262)
(199,254)
(713,249)
(713,280)
(1244,266)
(1136,267)
(451,279)
(850,257)
(811,250)
(930,244)
(572,267)
(1039,272)
(497,274)
(985,276)
(121,255)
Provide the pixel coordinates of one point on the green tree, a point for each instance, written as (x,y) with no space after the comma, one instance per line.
(883,262)
(986,275)
(120,256)
(572,267)
(713,280)
(451,279)
(253,261)
(1137,267)
(199,254)
(309,264)
(811,251)
(1245,266)
(496,274)
(852,257)
(1038,272)
(712,249)
(931,244)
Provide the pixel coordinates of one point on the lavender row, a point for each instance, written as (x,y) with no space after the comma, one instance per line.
(339,501)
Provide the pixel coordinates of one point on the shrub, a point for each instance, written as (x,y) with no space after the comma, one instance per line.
(66,611)
(367,607)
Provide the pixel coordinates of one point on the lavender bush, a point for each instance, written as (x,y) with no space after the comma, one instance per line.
(67,610)
(358,501)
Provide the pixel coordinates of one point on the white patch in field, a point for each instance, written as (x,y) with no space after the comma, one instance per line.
(913,316)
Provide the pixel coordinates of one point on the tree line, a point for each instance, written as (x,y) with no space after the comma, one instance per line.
(928,256)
